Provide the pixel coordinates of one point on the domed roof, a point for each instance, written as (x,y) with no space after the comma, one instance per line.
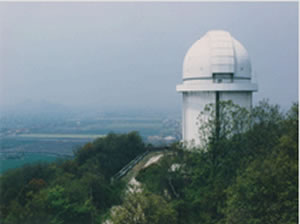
(217,52)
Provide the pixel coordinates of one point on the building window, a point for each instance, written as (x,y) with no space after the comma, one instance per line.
(222,77)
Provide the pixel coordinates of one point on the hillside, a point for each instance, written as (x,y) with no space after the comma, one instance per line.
(70,191)
(250,177)
(248,174)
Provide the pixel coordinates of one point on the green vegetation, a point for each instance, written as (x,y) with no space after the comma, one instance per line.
(144,208)
(247,172)
(71,191)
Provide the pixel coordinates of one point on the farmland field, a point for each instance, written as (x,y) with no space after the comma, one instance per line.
(27,141)
(56,144)
(6,164)
(79,136)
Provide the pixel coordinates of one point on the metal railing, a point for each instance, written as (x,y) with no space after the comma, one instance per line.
(128,167)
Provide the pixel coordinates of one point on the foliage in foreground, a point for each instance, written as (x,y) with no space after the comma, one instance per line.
(248,175)
(72,191)
(143,207)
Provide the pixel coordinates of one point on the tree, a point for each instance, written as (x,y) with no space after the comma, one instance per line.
(143,208)
(242,138)
(230,119)
(108,155)
(267,191)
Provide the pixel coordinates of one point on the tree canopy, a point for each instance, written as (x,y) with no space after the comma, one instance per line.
(247,172)
(71,191)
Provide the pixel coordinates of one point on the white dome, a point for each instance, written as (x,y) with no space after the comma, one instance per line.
(217,52)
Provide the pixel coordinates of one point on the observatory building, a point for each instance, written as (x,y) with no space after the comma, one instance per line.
(216,68)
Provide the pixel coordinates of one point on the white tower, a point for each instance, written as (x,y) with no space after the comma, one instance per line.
(217,67)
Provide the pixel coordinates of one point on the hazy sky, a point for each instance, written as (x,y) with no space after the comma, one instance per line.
(130,55)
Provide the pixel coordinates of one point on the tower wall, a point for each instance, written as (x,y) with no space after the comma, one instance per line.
(193,105)
(243,99)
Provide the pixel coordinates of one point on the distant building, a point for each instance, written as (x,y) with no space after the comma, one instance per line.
(217,67)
